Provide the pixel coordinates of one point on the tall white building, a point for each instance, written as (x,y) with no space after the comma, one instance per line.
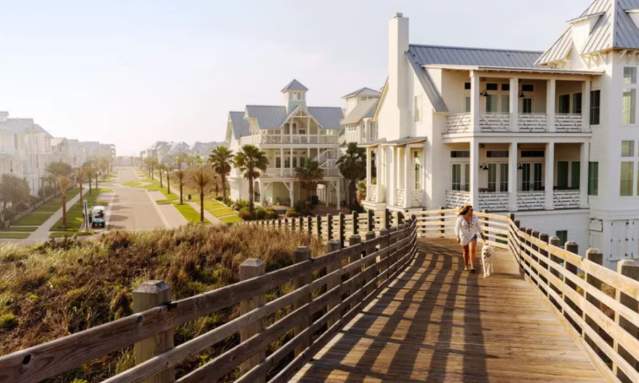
(552,136)
(358,125)
(289,134)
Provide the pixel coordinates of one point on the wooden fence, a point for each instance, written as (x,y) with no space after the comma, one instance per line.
(276,337)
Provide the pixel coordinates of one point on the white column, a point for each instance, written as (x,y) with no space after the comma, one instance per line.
(378,167)
(583,174)
(474,173)
(308,132)
(514,104)
(512,176)
(369,172)
(585,105)
(261,187)
(339,194)
(291,193)
(282,161)
(551,86)
(549,158)
(475,113)
(407,177)
(390,185)
(290,162)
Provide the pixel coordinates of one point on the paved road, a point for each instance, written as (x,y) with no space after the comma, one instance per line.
(132,208)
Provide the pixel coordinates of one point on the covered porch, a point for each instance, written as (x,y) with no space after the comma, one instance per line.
(517,176)
(395,174)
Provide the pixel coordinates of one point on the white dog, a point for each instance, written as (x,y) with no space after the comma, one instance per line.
(486,261)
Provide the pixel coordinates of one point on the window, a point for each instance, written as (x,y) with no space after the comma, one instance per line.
(562,175)
(497,153)
(492,178)
(525,177)
(505,103)
(576,103)
(538,176)
(417,176)
(467,85)
(630,75)
(629,106)
(457,186)
(593,178)
(627,173)
(467,104)
(526,105)
(575,174)
(532,153)
(491,86)
(527,88)
(278,162)
(595,100)
(627,148)
(505,87)
(503,179)
(460,154)
(564,104)
(491,103)
(563,236)
(466,177)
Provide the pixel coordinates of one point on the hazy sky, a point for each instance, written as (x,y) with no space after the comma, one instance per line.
(131,72)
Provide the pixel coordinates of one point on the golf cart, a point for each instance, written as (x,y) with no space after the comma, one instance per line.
(97,216)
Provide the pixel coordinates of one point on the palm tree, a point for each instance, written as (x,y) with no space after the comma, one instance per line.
(221,159)
(250,161)
(180,174)
(309,175)
(61,172)
(161,167)
(352,165)
(201,177)
(80,175)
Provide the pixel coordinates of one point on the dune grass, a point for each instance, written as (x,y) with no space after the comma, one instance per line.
(56,288)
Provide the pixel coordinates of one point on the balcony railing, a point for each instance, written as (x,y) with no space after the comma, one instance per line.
(455,199)
(265,139)
(566,199)
(497,201)
(526,123)
(290,172)
(534,200)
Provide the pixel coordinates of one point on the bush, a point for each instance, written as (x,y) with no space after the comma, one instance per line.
(245,214)
(8,321)
(260,213)
(302,208)
(292,213)
(271,214)
(240,204)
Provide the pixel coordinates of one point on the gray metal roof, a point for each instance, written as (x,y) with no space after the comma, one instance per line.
(429,87)
(363,109)
(294,85)
(268,116)
(329,117)
(431,54)
(240,125)
(21,126)
(612,29)
(365,91)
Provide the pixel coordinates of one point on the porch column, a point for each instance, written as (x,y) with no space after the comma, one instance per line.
(369,171)
(475,104)
(290,162)
(339,194)
(282,161)
(262,186)
(514,104)
(407,177)
(379,153)
(392,176)
(512,176)
(585,106)
(583,175)
(474,174)
(551,86)
(291,193)
(549,158)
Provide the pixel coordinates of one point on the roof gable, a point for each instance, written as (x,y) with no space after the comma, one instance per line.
(365,91)
(328,117)
(363,109)
(239,124)
(267,116)
(294,85)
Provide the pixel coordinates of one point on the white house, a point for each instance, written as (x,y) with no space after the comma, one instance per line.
(288,134)
(358,124)
(25,150)
(519,131)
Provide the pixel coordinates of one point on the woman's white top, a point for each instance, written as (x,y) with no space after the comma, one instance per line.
(465,230)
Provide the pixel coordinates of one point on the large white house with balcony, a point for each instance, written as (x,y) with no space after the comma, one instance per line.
(551,136)
(289,134)
(358,125)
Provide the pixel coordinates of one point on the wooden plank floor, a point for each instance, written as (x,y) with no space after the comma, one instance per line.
(437,323)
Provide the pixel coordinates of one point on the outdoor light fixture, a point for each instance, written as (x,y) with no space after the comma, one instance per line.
(484,93)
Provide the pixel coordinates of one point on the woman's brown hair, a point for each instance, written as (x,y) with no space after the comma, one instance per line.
(464,210)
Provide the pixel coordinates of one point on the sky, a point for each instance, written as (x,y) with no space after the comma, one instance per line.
(132,72)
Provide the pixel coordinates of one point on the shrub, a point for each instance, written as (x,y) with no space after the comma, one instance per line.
(271,214)
(292,213)
(260,213)
(245,214)
(8,321)
(240,204)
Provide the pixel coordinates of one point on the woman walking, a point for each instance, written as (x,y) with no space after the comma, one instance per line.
(467,231)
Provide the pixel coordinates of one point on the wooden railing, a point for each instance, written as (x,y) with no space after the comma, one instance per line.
(324,293)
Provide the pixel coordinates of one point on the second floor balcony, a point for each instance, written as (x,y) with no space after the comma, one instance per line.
(295,139)
(522,123)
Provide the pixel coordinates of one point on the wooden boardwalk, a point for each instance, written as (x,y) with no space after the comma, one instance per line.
(437,323)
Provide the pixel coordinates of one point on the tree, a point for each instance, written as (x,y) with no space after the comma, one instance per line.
(309,175)
(221,159)
(179,175)
(161,167)
(201,177)
(13,190)
(352,165)
(250,161)
(61,173)
(80,176)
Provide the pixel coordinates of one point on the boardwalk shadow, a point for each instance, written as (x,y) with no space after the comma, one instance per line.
(424,328)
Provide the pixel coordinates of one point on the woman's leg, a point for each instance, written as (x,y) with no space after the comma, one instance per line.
(466,253)
(472,253)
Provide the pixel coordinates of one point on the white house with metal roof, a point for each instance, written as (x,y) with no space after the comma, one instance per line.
(358,125)
(519,131)
(288,134)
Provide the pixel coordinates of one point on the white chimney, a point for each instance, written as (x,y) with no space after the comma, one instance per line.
(398,91)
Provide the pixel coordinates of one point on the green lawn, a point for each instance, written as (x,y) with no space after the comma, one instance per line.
(14,234)
(222,212)
(74,213)
(32,221)
(187,211)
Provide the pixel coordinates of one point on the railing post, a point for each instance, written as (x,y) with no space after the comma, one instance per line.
(355,239)
(332,246)
(329,227)
(318,222)
(400,218)
(286,223)
(279,223)
(383,244)
(309,223)
(443,222)
(251,268)
(342,229)
(301,226)
(355,222)
(148,295)
(371,220)
(303,254)
(595,256)
(387,219)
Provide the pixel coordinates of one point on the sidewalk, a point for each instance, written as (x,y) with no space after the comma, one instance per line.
(41,234)
(207,215)
(171,217)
